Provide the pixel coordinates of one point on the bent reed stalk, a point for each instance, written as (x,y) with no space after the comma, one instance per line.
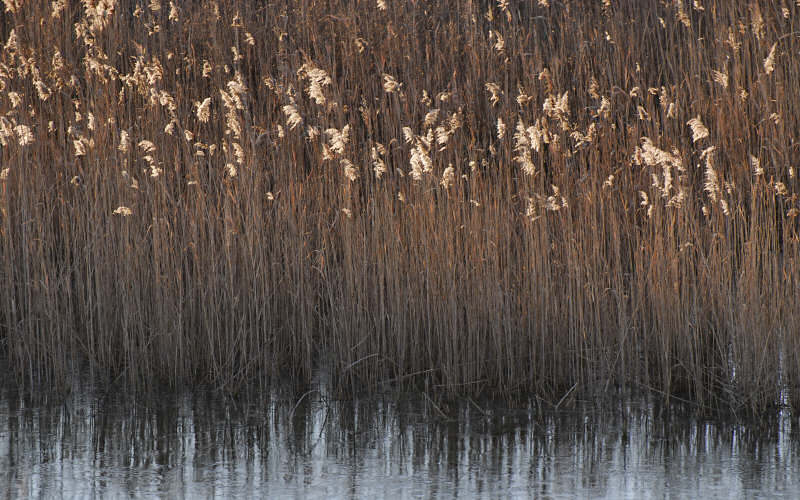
(495,197)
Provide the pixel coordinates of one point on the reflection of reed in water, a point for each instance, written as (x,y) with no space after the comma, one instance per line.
(266,445)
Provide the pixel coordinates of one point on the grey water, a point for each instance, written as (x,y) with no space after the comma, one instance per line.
(198,444)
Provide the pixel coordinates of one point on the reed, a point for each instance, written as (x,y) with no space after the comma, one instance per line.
(485,196)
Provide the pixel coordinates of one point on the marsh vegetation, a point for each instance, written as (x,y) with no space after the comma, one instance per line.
(482,197)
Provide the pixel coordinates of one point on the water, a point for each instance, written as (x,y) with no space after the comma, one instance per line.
(201,445)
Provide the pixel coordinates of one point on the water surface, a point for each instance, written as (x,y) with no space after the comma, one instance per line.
(94,444)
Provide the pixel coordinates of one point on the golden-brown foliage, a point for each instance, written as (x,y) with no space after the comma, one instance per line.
(508,196)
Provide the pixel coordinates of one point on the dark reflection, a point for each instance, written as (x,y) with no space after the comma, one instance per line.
(311,446)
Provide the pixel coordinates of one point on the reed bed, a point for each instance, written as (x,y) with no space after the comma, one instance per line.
(482,197)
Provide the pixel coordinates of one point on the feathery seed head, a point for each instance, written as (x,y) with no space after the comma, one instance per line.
(390,84)
(293,118)
(769,62)
(494,90)
(448,176)
(124,142)
(501,128)
(203,110)
(431,117)
(350,171)
(24,135)
(699,131)
(755,163)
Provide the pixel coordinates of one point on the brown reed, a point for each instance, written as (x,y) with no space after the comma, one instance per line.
(488,197)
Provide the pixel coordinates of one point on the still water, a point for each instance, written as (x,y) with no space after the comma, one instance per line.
(199,445)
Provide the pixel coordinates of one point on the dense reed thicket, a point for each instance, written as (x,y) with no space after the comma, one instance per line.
(487,196)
